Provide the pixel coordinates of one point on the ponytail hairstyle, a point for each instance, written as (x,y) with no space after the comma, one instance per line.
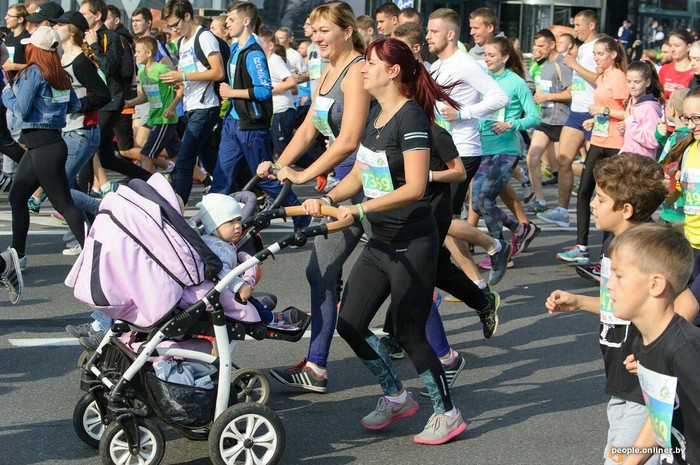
(414,81)
(612,45)
(677,151)
(78,38)
(342,15)
(514,62)
(49,64)
(648,71)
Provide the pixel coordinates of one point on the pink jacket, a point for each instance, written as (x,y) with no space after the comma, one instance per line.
(641,119)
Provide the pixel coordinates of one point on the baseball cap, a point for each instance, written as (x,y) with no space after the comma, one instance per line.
(217,209)
(75,18)
(44,38)
(45,12)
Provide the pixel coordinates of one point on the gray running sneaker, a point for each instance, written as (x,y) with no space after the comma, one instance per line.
(556,217)
(499,263)
(11,276)
(441,428)
(386,412)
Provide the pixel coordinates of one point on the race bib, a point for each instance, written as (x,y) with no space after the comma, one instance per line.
(601,125)
(374,169)
(320,116)
(497,117)
(690,183)
(187,64)
(60,96)
(659,396)
(315,68)
(606,313)
(153,94)
(546,88)
(11,53)
(578,85)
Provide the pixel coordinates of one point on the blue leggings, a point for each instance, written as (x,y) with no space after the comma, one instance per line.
(493,175)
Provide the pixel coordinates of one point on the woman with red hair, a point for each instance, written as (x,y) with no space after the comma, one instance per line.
(400,260)
(39,100)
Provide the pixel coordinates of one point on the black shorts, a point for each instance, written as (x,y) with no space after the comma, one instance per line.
(162,136)
(552,132)
(124,132)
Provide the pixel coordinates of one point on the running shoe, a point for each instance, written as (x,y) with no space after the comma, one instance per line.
(499,263)
(485,264)
(520,242)
(386,412)
(574,190)
(321,182)
(393,347)
(489,315)
(11,276)
(59,218)
(81,330)
(537,206)
(5,183)
(558,216)
(332,181)
(91,342)
(552,181)
(574,255)
(452,371)
(34,205)
(72,249)
(23,263)
(547,171)
(589,271)
(301,376)
(441,428)
(113,186)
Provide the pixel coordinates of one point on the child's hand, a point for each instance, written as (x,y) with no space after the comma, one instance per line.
(588,124)
(561,301)
(631,364)
(245,292)
(661,127)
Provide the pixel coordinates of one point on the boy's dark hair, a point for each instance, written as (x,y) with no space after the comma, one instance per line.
(388,9)
(177,8)
(143,11)
(546,34)
(634,179)
(116,12)
(412,32)
(149,43)
(96,6)
(247,9)
(658,248)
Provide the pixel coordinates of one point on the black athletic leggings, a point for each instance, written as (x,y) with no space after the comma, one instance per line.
(107,120)
(406,272)
(586,189)
(43,165)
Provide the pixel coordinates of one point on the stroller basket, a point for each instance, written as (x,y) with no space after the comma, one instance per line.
(180,404)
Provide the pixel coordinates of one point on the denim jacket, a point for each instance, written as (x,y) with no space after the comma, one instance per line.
(35,105)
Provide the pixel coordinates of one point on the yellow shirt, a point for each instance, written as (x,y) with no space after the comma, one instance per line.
(690,188)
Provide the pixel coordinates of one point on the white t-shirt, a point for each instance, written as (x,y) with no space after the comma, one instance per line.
(295,60)
(278,72)
(478,94)
(194,90)
(581,90)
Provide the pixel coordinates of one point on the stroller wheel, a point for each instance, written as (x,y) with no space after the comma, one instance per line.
(114,448)
(87,421)
(246,433)
(251,385)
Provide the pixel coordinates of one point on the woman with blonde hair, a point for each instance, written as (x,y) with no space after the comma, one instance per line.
(339,112)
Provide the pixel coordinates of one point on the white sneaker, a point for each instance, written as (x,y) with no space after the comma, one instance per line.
(72,249)
(556,216)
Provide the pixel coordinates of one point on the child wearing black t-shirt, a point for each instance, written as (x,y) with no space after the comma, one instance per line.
(621,201)
(651,265)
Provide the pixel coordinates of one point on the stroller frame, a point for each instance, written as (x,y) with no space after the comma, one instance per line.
(114,399)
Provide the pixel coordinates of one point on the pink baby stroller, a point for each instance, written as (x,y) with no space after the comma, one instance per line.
(123,391)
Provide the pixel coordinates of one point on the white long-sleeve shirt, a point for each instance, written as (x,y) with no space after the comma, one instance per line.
(478,94)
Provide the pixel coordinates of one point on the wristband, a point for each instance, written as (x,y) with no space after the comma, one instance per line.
(327,199)
(184,79)
(430,176)
(278,165)
(459,116)
(361,210)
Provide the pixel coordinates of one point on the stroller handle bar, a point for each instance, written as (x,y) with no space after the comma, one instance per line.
(286,187)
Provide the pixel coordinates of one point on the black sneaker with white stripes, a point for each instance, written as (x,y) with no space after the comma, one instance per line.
(11,275)
(451,372)
(301,376)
